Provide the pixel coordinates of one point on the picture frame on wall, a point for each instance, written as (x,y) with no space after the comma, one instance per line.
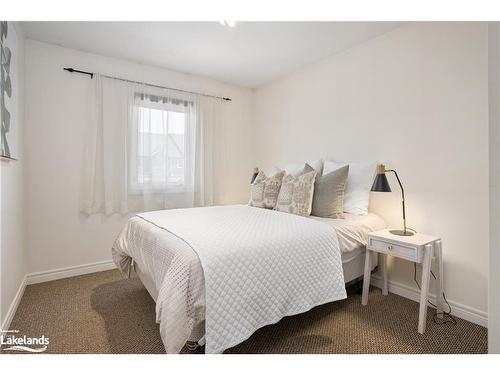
(8,91)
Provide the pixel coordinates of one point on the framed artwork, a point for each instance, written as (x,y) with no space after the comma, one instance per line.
(8,91)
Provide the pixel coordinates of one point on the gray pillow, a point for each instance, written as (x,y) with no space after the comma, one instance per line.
(328,200)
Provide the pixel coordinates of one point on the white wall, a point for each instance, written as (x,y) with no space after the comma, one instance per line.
(13,263)
(415,99)
(494,126)
(57,111)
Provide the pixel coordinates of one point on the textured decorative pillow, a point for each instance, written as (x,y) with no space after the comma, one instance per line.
(264,190)
(297,168)
(329,190)
(296,193)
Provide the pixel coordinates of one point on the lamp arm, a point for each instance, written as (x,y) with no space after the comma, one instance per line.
(402,195)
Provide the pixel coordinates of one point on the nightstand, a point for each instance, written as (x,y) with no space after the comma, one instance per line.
(419,248)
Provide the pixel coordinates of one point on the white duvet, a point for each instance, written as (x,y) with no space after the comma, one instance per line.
(259,266)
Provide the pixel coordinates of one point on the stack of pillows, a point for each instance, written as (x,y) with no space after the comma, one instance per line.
(319,189)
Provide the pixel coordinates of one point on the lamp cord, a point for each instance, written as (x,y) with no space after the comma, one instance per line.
(447,317)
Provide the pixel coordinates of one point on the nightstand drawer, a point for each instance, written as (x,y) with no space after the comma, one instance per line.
(400,251)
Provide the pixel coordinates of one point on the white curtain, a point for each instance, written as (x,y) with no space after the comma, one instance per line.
(148,148)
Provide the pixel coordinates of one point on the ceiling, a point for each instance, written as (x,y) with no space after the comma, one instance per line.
(250,54)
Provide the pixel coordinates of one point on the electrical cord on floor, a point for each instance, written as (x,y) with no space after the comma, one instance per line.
(447,317)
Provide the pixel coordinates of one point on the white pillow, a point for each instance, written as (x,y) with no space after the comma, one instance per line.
(359,183)
(296,169)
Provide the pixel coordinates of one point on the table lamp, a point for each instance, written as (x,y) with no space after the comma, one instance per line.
(382,185)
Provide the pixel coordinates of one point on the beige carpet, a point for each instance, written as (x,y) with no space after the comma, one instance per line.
(104,313)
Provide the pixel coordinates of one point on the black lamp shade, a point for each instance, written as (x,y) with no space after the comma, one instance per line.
(381,184)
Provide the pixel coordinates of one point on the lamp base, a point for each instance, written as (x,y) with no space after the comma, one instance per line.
(399,232)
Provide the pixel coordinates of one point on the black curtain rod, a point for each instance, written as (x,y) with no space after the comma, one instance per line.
(72,70)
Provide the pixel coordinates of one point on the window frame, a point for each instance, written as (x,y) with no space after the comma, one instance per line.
(170,104)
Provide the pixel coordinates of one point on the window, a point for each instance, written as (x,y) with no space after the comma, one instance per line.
(161,149)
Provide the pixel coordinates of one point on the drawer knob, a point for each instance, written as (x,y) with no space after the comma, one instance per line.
(389,247)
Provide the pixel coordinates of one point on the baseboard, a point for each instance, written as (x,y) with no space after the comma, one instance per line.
(13,306)
(464,312)
(62,273)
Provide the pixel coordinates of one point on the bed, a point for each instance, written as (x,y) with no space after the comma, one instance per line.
(217,274)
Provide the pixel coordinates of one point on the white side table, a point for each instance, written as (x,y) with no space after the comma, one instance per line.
(419,248)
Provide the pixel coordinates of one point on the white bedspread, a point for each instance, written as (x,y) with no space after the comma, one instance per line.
(259,266)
